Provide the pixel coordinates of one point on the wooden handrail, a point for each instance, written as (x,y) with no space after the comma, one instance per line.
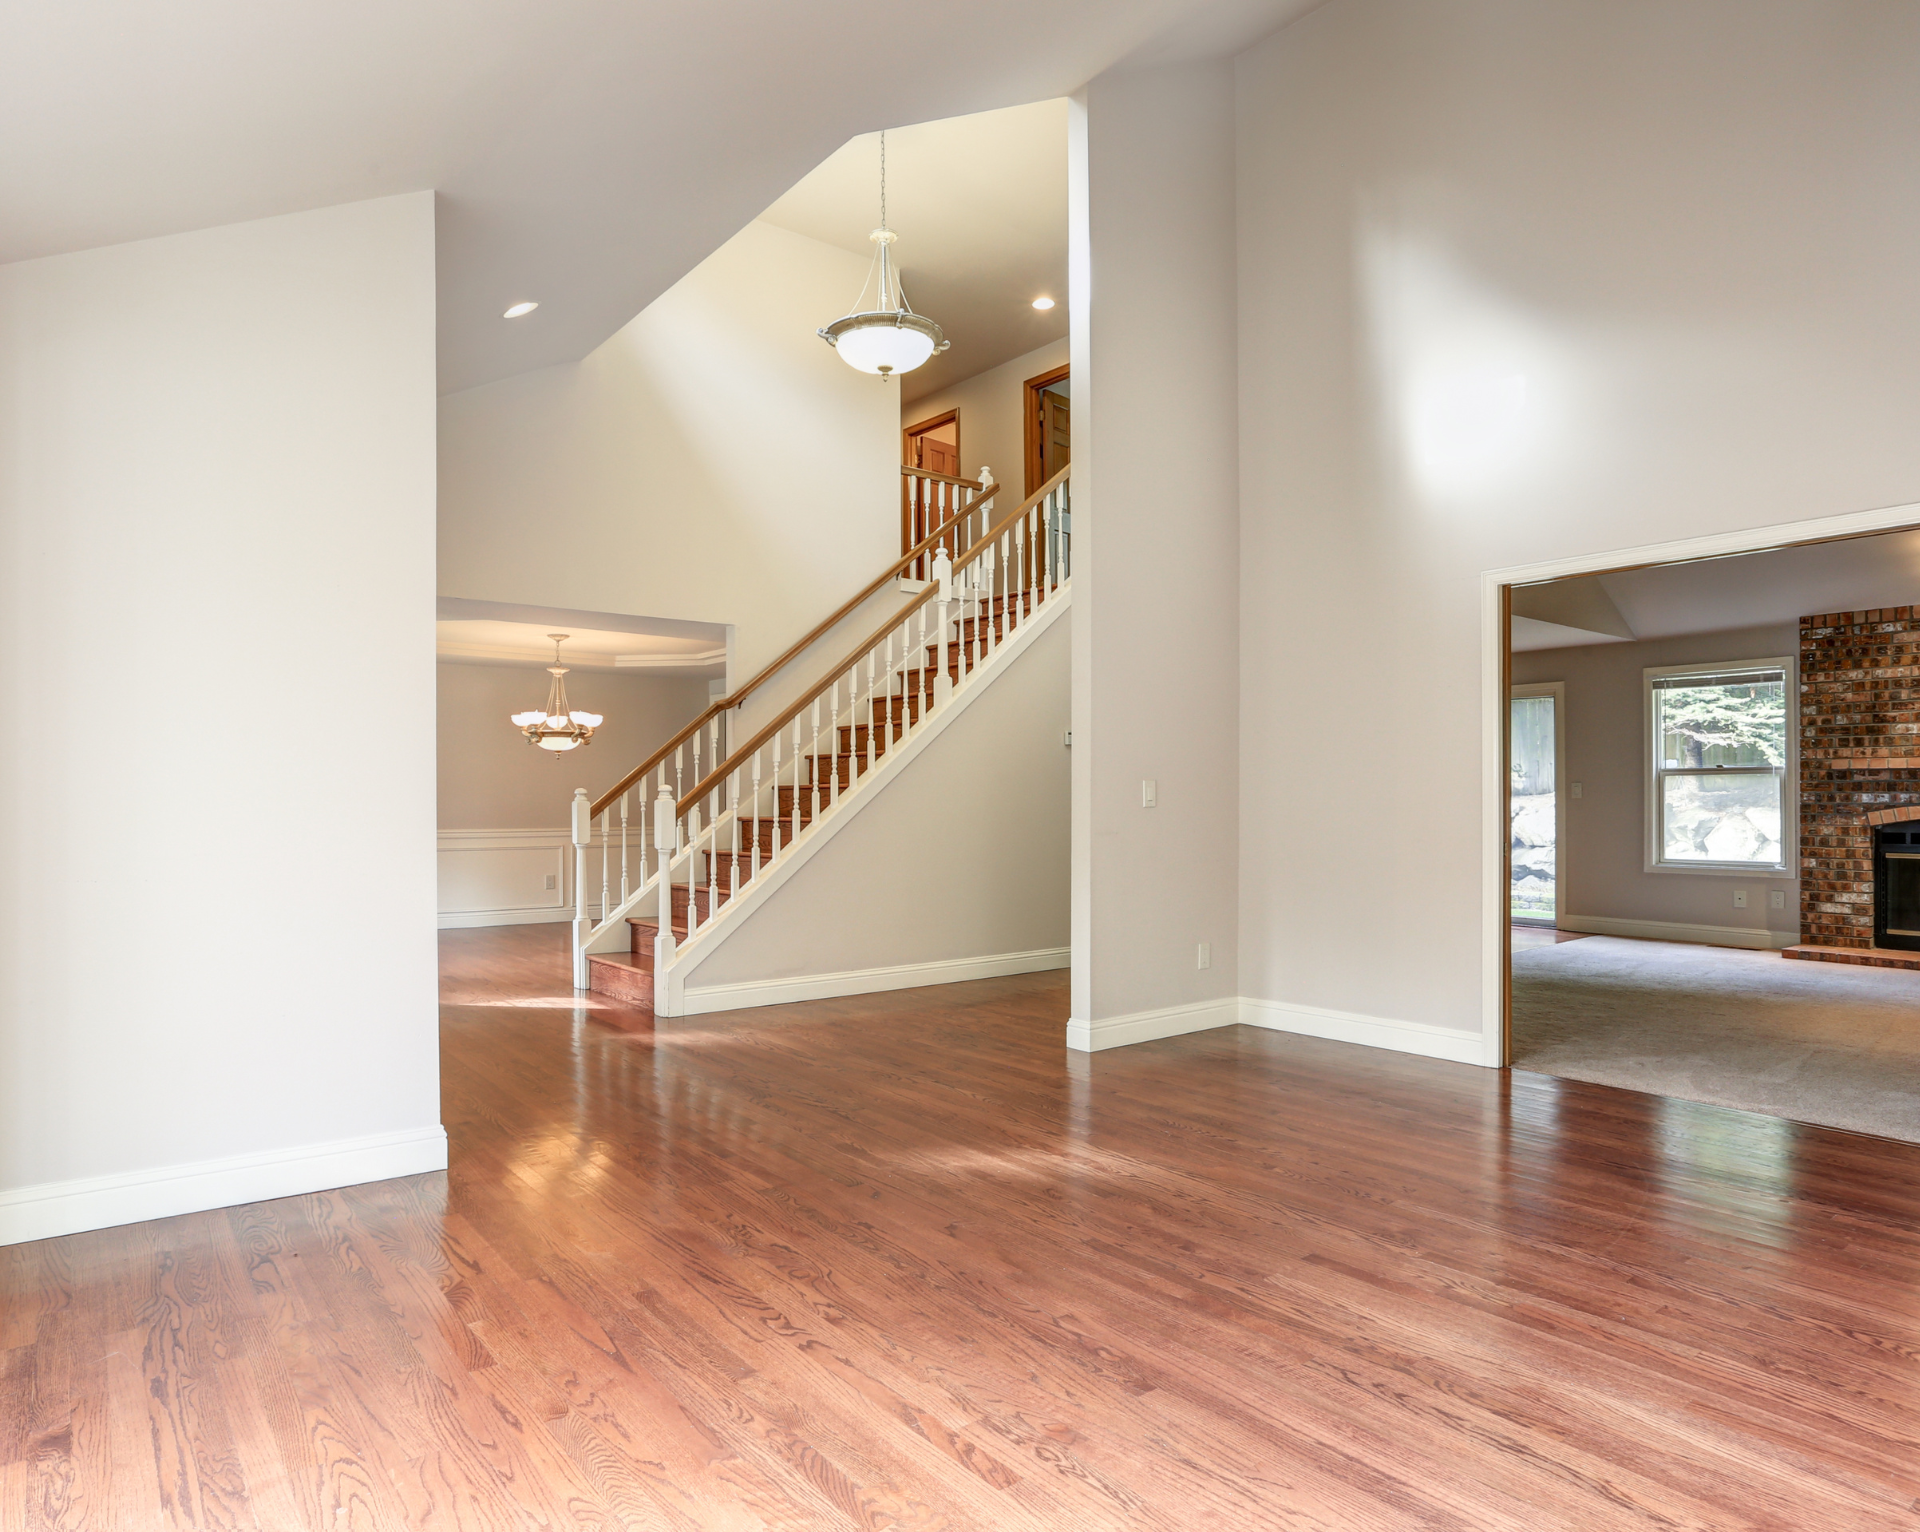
(716,708)
(744,752)
(907,470)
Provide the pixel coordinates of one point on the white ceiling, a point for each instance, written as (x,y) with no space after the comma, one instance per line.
(1748,591)
(523,643)
(588,153)
(980,205)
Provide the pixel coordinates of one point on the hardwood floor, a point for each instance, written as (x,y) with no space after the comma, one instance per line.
(901,1262)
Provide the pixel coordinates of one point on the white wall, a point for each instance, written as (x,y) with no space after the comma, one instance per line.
(217,976)
(1520,282)
(714,460)
(992,430)
(1155,548)
(1601,863)
(959,861)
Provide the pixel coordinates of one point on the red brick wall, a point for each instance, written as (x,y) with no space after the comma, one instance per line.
(1859,757)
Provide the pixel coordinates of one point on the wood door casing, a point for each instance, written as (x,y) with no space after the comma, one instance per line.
(921,448)
(1047,427)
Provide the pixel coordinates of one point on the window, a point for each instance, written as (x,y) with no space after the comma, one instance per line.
(1717,780)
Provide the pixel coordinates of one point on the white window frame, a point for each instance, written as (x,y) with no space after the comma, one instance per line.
(1789,772)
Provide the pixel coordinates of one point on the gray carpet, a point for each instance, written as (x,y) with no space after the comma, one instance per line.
(1816,1042)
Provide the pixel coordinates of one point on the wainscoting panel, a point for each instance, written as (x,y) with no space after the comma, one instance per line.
(505,877)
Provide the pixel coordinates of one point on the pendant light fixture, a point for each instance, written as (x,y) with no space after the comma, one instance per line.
(556,727)
(888,338)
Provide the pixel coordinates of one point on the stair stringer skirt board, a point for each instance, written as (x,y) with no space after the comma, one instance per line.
(675,997)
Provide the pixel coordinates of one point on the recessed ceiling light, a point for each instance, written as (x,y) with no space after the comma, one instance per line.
(518,309)
(1043,303)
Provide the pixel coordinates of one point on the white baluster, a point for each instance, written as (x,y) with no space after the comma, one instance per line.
(582,837)
(606,850)
(625,892)
(665,830)
(733,865)
(756,810)
(943,627)
(813,805)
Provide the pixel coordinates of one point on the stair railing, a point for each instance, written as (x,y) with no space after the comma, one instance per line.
(746,813)
(930,501)
(630,858)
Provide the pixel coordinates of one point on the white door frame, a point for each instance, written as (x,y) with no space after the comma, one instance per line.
(1494,691)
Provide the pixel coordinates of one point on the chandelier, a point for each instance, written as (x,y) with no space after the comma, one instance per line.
(888,338)
(555,727)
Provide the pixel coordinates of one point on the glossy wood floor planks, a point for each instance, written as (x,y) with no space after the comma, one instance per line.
(901,1262)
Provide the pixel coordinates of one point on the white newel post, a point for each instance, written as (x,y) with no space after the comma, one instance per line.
(582,838)
(942,676)
(666,826)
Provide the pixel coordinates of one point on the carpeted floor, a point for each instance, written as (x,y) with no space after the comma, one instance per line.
(1816,1042)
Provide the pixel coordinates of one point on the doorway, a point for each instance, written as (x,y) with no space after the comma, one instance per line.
(933,445)
(1711,919)
(1048,425)
(1535,802)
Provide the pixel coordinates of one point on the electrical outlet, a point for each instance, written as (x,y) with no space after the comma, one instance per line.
(1204,958)
(1149,793)
(1576,789)
(1739,898)
(552,881)
(1066,738)
(1777,899)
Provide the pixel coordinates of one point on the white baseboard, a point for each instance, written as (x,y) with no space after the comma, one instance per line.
(867,981)
(1677,931)
(1150,1026)
(104,1202)
(1418,1037)
(462,920)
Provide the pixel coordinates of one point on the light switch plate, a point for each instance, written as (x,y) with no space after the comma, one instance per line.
(1149,792)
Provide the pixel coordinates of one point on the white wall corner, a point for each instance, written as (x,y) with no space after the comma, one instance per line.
(1150,1026)
(104,1202)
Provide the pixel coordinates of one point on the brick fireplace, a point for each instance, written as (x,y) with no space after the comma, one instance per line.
(1859,770)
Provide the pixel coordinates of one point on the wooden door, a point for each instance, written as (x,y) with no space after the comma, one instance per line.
(937,456)
(1056,435)
(1047,429)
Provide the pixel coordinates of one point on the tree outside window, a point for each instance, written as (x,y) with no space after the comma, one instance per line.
(1719,765)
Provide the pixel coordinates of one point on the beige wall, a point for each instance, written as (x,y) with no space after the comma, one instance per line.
(991,430)
(1155,613)
(217,972)
(1602,859)
(491,778)
(1520,282)
(714,460)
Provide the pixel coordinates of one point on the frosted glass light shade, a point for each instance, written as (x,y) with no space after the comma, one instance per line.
(589,720)
(558,742)
(884,346)
(521,720)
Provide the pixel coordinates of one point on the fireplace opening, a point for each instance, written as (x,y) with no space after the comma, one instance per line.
(1896,887)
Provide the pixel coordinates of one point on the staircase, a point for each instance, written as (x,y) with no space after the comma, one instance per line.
(684,854)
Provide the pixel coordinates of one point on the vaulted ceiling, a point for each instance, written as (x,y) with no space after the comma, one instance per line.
(587,153)
(1748,590)
(980,205)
